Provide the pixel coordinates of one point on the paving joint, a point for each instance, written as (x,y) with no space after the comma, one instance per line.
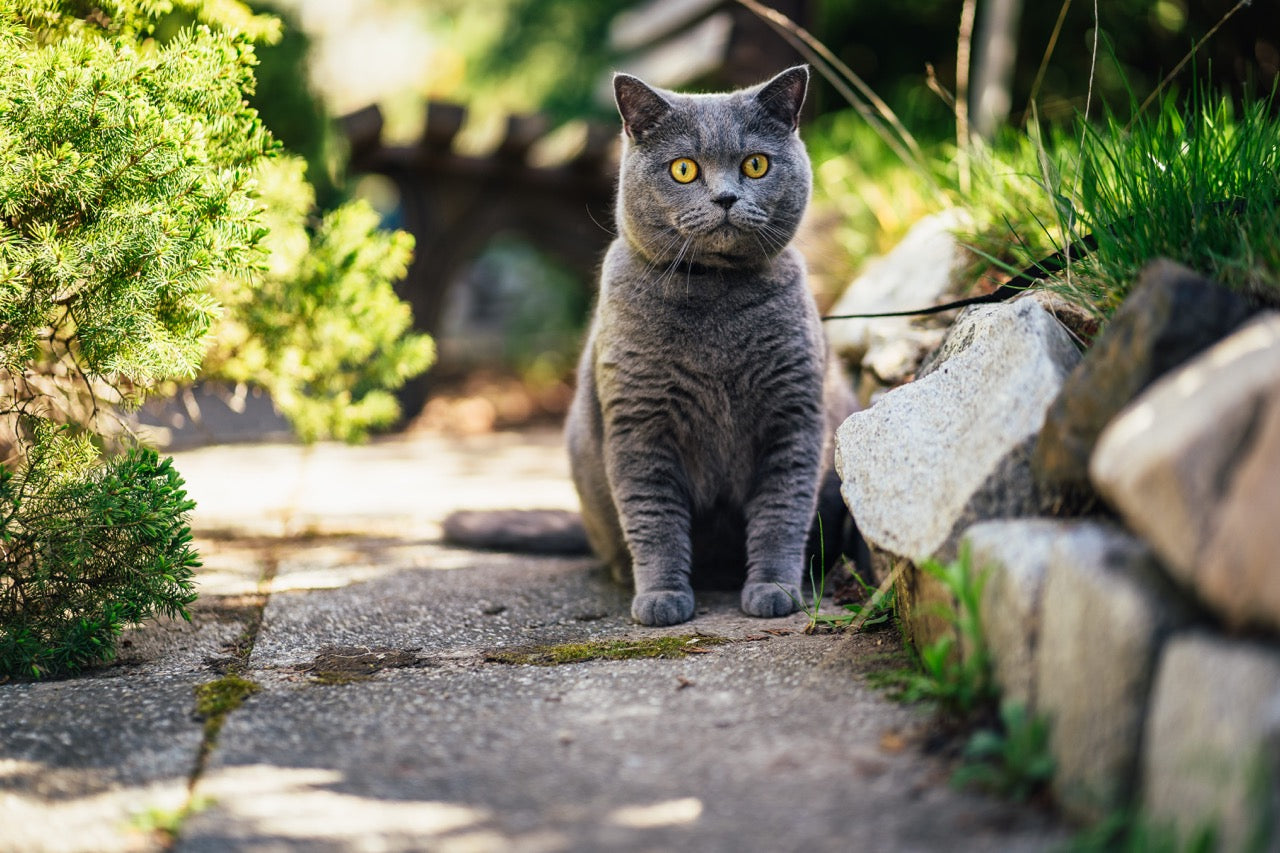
(231,675)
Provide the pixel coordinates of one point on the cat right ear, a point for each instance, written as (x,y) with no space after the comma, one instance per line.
(640,106)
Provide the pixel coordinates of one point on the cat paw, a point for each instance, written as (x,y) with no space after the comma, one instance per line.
(662,607)
(769,600)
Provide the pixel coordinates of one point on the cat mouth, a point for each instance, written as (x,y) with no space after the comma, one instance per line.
(727,226)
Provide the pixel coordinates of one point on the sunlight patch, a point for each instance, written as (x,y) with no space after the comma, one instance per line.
(667,813)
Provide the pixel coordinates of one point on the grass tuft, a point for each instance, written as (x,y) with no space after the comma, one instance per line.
(957,680)
(1011,760)
(1198,183)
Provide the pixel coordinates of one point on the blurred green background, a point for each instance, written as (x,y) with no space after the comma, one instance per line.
(518,313)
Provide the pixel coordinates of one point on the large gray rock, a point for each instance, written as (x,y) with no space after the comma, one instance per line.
(1106,611)
(1237,574)
(1211,754)
(919,272)
(1167,460)
(932,457)
(1171,315)
(1015,556)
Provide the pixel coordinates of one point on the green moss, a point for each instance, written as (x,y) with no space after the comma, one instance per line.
(676,646)
(216,699)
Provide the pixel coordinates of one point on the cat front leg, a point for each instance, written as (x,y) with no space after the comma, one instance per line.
(653,506)
(779,517)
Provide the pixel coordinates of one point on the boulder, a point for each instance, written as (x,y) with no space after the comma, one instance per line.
(934,456)
(1171,315)
(1167,461)
(920,271)
(1082,321)
(1107,609)
(1015,557)
(1211,752)
(1237,574)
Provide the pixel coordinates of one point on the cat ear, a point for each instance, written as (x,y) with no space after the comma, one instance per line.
(640,106)
(783,96)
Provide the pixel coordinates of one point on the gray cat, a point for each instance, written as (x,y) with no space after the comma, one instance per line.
(700,433)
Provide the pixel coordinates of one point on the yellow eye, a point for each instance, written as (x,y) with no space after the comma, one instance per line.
(684,170)
(755,166)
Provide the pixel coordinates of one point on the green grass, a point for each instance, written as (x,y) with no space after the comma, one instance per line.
(1133,832)
(670,647)
(957,680)
(1193,179)
(1012,759)
(1198,182)
(876,610)
(165,825)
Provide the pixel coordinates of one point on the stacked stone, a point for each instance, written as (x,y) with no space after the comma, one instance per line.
(1146,625)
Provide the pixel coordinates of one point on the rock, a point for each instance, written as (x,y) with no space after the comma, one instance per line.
(1237,572)
(919,272)
(1212,744)
(1015,555)
(1171,315)
(1106,612)
(1168,482)
(951,448)
(892,361)
(1082,321)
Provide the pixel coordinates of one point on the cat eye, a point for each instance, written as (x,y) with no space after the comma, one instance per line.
(684,170)
(755,166)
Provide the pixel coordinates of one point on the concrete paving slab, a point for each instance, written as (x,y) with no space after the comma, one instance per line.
(83,761)
(392,486)
(767,744)
(772,741)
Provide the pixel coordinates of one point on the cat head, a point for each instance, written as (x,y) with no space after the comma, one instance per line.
(720,180)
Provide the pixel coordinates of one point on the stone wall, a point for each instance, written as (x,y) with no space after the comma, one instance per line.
(1124,500)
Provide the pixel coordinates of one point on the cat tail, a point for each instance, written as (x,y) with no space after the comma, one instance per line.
(520,531)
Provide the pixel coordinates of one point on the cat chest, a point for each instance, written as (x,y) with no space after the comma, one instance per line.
(705,400)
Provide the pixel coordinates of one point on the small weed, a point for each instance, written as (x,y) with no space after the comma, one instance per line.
(1013,761)
(960,683)
(1131,832)
(669,647)
(876,608)
(166,824)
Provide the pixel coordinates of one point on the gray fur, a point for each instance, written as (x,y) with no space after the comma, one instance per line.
(700,431)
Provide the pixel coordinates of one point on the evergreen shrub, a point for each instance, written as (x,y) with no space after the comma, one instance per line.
(150,233)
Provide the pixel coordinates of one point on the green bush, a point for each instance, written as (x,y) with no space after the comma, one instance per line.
(147,223)
(323,330)
(88,549)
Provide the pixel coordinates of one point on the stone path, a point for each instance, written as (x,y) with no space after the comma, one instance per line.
(380,724)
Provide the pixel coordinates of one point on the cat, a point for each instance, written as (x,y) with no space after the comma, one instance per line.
(700,433)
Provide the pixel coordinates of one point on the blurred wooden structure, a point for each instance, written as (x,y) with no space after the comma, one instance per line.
(455,204)
(711,44)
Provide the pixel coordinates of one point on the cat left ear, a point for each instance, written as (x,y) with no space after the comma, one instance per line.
(640,106)
(783,96)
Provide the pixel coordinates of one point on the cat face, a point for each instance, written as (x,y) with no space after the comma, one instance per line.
(719,180)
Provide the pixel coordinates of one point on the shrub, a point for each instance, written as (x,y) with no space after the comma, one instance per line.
(88,549)
(133,176)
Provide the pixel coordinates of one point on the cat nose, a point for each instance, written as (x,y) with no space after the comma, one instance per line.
(725,200)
